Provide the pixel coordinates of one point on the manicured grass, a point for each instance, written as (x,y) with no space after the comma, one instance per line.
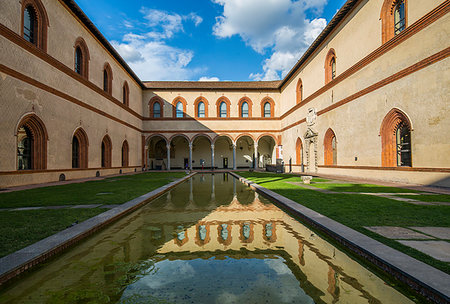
(19,229)
(114,190)
(429,198)
(358,210)
(367,188)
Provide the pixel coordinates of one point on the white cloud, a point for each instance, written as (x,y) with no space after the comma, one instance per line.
(205,78)
(278,26)
(148,52)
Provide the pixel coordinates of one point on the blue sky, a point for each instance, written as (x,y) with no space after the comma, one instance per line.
(210,39)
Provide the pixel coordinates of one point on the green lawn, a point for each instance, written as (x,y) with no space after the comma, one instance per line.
(113,190)
(358,210)
(367,188)
(19,229)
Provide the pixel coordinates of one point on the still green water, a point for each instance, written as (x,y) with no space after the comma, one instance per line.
(209,240)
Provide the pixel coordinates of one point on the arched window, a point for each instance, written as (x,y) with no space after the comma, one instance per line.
(201,109)
(267,107)
(179,110)
(299,91)
(244,109)
(330,66)
(125,94)
(156,110)
(393,18)
(29,24)
(107,79)
(80,149)
(299,152)
(24,149)
(78,61)
(31,144)
(34,23)
(223,109)
(125,153)
(179,105)
(267,110)
(396,140)
(330,148)
(106,152)
(81,59)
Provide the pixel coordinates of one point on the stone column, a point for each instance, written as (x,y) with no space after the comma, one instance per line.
(212,156)
(234,156)
(255,163)
(168,156)
(190,156)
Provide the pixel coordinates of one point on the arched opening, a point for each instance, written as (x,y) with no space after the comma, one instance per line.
(34,23)
(201,152)
(299,92)
(81,58)
(179,107)
(299,152)
(106,157)
(80,149)
(393,18)
(125,154)
(267,107)
(125,94)
(223,107)
(107,79)
(330,66)
(266,151)
(155,106)
(330,149)
(180,158)
(396,140)
(201,107)
(244,152)
(157,153)
(31,144)
(223,146)
(245,107)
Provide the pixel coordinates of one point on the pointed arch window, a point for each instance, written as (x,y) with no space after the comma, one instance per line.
(80,149)
(330,148)
(125,94)
(106,152)
(31,144)
(107,79)
(299,91)
(81,57)
(396,142)
(394,18)
(330,66)
(125,154)
(34,23)
(75,153)
(29,24)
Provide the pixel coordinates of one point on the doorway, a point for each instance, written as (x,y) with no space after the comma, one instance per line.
(225,162)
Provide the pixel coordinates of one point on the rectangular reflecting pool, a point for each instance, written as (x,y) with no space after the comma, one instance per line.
(209,240)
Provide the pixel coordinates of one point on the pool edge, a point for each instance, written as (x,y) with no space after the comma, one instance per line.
(423,278)
(26,258)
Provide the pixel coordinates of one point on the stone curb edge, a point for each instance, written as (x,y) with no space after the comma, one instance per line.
(424,279)
(17,262)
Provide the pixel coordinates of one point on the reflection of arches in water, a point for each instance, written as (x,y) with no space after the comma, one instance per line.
(245,196)
(181,237)
(269,232)
(224,234)
(202,190)
(223,194)
(202,233)
(246,232)
(179,198)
